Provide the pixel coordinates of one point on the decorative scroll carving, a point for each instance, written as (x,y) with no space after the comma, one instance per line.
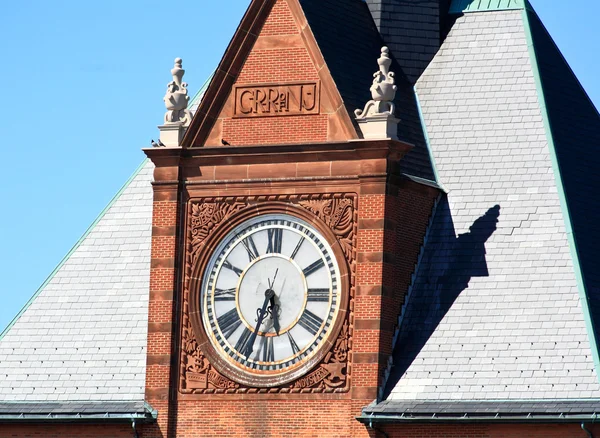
(205,217)
(332,372)
(383,89)
(176,98)
(338,212)
(199,374)
(376,120)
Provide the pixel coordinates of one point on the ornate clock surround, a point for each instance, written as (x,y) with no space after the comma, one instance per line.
(208,220)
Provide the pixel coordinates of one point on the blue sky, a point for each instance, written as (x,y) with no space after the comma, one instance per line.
(83,84)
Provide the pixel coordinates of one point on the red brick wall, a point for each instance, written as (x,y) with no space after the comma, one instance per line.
(65,431)
(163,284)
(383,228)
(489,431)
(284,53)
(322,420)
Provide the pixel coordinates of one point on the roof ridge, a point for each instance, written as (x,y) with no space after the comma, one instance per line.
(466,6)
(73,249)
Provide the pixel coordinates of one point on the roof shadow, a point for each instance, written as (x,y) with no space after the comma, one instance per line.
(447,266)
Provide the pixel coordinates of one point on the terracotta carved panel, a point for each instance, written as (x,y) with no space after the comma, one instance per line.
(207,218)
(277,100)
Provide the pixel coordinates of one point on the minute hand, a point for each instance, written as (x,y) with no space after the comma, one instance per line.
(261,316)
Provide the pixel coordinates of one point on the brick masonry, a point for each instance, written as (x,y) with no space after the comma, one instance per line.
(66,431)
(489,431)
(285,52)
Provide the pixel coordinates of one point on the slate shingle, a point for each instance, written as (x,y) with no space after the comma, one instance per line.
(83,338)
(495,311)
(350,44)
(575,127)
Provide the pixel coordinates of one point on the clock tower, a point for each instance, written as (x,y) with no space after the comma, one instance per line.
(284,238)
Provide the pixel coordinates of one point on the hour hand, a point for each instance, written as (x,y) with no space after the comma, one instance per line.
(260,316)
(274,314)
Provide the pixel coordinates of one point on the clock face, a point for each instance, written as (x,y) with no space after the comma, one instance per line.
(271,295)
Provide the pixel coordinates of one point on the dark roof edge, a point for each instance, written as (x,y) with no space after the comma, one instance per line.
(478,411)
(424,181)
(98,415)
(370,419)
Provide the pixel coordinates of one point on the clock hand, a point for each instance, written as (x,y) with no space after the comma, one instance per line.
(272,283)
(274,308)
(261,313)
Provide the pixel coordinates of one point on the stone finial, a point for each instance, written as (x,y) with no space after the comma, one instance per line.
(176,99)
(178,116)
(377,119)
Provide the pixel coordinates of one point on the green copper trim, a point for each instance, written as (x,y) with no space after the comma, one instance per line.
(79,242)
(441,418)
(561,190)
(40,412)
(200,94)
(427,142)
(466,6)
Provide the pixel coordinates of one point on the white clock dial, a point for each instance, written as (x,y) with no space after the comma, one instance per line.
(271,294)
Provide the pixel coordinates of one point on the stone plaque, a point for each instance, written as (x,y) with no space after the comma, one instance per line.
(277,99)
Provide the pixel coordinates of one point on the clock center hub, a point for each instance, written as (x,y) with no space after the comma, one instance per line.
(285,278)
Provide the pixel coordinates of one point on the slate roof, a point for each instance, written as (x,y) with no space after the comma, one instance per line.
(412,29)
(86,326)
(350,44)
(574,124)
(495,311)
(83,335)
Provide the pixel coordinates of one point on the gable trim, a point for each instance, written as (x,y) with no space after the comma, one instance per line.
(560,189)
(428,142)
(73,249)
(224,77)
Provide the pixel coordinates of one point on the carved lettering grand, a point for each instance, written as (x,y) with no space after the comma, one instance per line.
(277,100)
(197,375)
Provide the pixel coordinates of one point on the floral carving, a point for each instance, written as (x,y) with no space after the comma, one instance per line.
(332,372)
(198,371)
(337,213)
(205,217)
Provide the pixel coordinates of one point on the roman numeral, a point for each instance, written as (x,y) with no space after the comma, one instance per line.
(229,322)
(275,240)
(293,344)
(310,321)
(300,242)
(229,266)
(268,352)
(248,243)
(319,295)
(225,294)
(314,267)
(243,343)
